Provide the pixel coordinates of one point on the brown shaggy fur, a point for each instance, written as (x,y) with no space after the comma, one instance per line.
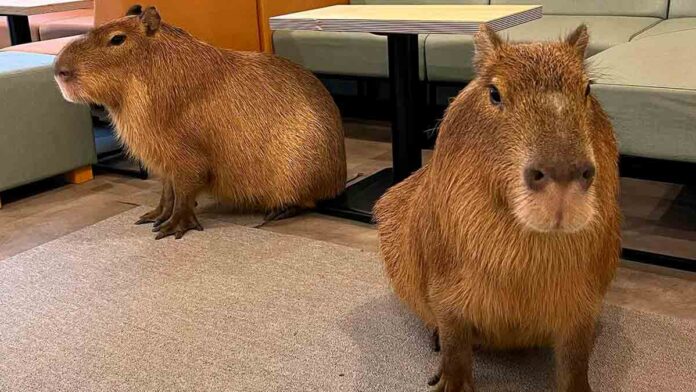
(483,256)
(251,128)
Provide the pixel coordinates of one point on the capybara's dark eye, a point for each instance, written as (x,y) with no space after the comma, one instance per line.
(588,89)
(496,99)
(117,39)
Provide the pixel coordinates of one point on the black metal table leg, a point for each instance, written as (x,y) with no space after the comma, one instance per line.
(659,259)
(18,25)
(403,77)
(357,201)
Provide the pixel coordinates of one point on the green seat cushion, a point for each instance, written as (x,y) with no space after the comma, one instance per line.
(648,87)
(337,53)
(682,8)
(41,135)
(669,26)
(448,57)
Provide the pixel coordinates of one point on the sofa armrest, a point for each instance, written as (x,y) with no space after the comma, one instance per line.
(270,8)
(51,46)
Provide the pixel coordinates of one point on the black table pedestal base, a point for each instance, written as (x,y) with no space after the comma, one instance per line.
(658,259)
(357,201)
(359,198)
(120,163)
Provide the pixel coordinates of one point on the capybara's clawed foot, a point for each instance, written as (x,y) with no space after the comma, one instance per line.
(454,383)
(279,214)
(149,217)
(159,221)
(163,217)
(434,380)
(435,341)
(178,225)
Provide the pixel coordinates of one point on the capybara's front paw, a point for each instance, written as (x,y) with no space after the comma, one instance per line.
(178,225)
(149,217)
(450,383)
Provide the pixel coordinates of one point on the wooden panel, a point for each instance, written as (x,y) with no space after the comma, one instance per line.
(106,10)
(223,23)
(270,8)
(32,7)
(80,176)
(409,19)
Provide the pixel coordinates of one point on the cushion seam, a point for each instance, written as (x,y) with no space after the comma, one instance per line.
(645,29)
(646,87)
(667,33)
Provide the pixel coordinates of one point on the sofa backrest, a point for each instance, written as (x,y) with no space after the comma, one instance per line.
(682,8)
(653,8)
(370,2)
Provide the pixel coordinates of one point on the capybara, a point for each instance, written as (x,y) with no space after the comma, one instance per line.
(253,129)
(509,236)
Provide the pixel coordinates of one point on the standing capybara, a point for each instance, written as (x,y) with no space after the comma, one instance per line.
(251,128)
(510,235)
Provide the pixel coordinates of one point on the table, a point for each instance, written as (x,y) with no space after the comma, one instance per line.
(401,24)
(18,11)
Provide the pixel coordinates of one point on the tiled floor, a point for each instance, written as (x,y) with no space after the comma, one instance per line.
(658,216)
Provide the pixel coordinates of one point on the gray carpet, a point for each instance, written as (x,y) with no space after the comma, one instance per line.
(238,309)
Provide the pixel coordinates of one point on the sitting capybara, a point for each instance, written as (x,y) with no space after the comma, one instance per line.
(250,128)
(510,235)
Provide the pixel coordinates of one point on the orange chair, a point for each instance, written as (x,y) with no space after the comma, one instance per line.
(223,23)
(78,23)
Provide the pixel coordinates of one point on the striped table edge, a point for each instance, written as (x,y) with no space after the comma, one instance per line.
(403,26)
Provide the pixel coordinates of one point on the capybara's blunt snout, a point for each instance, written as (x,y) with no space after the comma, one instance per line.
(538,175)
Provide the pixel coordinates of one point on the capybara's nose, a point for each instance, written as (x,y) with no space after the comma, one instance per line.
(536,177)
(64,73)
(585,175)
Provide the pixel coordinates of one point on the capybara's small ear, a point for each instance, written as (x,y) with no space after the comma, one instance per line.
(151,19)
(135,9)
(579,39)
(486,42)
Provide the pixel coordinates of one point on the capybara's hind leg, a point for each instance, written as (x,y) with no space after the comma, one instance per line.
(168,206)
(163,210)
(283,213)
(456,374)
(288,212)
(183,217)
(572,359)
